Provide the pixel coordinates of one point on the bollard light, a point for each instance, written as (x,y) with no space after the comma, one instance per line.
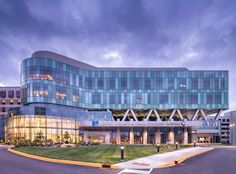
(176,145)
(122,153)
(194,144)
(158,148)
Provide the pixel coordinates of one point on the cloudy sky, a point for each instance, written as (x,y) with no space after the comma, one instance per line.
(197,34)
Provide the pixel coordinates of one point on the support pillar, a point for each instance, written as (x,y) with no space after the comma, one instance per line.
(118,135)
(144,135)
(158,136)
(171,136)
(185,136)
(131,136)
(107,137)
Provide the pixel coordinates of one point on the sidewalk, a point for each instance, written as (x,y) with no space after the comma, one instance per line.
(164,159)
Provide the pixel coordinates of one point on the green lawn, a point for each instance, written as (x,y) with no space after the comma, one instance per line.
(109,154)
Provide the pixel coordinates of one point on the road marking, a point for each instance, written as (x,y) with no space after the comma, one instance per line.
(136,171)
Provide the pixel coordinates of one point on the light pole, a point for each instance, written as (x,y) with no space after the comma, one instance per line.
(194,144)
(176,145)
(122,153)
(158,148)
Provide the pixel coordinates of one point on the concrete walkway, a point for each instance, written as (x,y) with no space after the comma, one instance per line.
(160,160)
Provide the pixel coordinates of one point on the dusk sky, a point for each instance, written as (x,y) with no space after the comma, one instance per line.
(197,34)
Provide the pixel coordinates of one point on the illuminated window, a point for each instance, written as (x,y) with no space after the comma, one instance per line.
(40,76)
(18,102)
(39,93)
(11,102)
(60,95)
(75,98)
(3,102)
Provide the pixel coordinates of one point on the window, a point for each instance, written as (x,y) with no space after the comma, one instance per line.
(209,99)
(125,98)
(171,83)
(218,98)
(40,90)
(138,99)
(159,83)
(11,102)
(10,94)
(18,94)
(135,83)
(181,98)
(147,84)
(100,83)
(222,83)
(3,102)
(88,82)
(75,97)
(39,111)
(3,109)
(193,98)
(18,102)
(182,83)
(112,83)
(206,83)
(217,84)
(60,92)
(149,98)
(194,83)
(96,98)
(3,94)
(112,99)
(163,98)
(123,83)
(74,79)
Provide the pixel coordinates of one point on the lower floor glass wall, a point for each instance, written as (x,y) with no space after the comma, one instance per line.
(40,128)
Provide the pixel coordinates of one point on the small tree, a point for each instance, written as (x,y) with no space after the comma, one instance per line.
(39,137)
(66,136)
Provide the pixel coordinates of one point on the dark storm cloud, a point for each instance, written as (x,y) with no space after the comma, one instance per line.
(185,33)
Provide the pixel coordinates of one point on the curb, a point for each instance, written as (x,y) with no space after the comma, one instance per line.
(52,160)
(182,159)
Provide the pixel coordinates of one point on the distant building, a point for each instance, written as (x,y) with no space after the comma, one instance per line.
(10,97)
(228,128)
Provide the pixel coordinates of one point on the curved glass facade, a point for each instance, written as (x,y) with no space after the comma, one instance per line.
(47,79)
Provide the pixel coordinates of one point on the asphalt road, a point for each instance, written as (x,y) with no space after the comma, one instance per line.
(217,161)
(14,164)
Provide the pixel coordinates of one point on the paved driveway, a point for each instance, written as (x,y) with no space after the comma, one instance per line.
(218,161)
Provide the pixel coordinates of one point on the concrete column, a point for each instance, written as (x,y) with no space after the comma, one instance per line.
(171,136)
(131,136)
(144,135)
(118,135)
(185,136)
(107,137)
(158,136)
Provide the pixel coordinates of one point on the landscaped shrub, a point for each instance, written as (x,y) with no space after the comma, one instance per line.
(50,142)
(95,143)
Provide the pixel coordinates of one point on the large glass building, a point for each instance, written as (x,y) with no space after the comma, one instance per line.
(116,105)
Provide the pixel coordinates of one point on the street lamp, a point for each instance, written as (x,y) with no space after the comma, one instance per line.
(194,144)
(158,148)
(176,145)
(122,153)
